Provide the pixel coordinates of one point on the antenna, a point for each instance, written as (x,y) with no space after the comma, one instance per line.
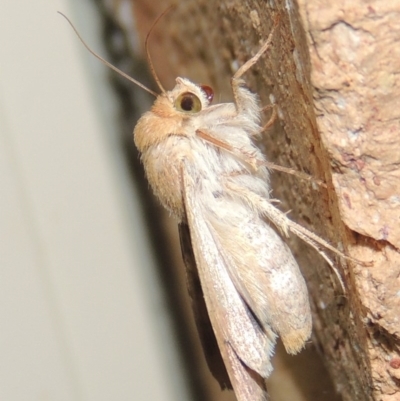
(151,66)
(108,64)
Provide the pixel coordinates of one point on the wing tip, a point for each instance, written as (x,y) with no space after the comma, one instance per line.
(295,341)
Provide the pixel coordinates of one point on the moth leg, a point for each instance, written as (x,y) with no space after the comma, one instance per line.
(298,174)
(272,119)
(284,224)
(268,107)
(248,64)
(281,220)
(246,157)
(236,81)
(282,169)
(251,160)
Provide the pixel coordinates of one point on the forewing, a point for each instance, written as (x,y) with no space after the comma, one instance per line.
(245,348)
(203,323)
(265,274)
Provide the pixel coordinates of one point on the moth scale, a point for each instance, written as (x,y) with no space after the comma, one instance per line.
(203,165)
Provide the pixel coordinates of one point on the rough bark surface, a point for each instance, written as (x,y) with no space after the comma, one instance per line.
(333,72)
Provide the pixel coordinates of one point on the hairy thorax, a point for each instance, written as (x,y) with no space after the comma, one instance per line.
(164,173)
(169,141)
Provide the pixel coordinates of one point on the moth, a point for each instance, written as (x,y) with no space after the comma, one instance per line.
(203,165)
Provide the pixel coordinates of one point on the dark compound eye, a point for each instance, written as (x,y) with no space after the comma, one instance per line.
(208,91)
(188,103)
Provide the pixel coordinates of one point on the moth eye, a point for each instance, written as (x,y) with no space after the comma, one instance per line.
(188,103)
(208,91)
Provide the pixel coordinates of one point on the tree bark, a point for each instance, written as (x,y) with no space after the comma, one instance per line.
(333,72)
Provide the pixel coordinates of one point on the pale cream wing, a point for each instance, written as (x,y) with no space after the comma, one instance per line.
(264,272)
(202,318)
(244,346)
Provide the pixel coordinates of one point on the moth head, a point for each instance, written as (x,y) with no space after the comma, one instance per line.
(190,98)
